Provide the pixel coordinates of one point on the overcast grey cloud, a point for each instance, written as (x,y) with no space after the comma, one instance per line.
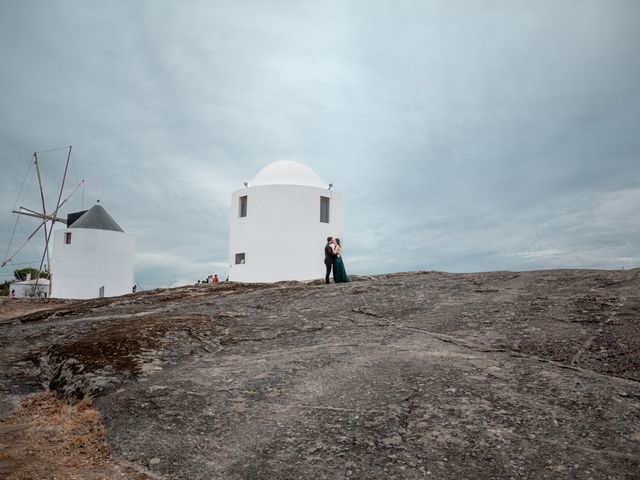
(463,135)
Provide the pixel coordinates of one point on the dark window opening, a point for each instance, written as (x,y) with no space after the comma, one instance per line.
(324,209)
(239,258)
(243,206)
(67,238)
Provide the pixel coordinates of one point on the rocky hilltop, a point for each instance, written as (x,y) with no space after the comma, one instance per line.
(416,375)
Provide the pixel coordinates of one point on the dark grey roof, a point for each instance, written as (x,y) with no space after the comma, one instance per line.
(72,217)
(98,218)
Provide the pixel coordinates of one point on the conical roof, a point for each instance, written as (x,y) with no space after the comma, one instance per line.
(98,218)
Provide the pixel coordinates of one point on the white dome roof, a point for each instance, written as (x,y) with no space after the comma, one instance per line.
(286,172)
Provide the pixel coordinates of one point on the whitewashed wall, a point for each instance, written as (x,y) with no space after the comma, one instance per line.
(95,258)
(26,289)
(282,236)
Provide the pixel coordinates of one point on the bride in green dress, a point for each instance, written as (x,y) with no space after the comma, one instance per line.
(339,272)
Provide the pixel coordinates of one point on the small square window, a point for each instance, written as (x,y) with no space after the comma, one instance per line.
(243,206)
(239,258)
(324,209)
(67,238)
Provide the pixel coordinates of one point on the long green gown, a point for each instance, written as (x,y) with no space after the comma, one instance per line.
(339,272)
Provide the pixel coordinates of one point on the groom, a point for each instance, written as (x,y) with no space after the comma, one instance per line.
(329,257)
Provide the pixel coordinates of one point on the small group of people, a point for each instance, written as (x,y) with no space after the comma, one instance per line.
(333,261)
(210,279)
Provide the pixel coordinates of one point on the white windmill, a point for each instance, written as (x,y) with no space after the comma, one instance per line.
(93,257)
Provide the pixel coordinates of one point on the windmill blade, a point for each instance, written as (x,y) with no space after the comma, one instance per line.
(44,212)
(32,213)
(45,253)
(42,217)
(64,177)
(55,212)
(23,244)
(47,235)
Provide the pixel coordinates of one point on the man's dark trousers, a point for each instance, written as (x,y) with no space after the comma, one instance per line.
(329,258)
(328,262)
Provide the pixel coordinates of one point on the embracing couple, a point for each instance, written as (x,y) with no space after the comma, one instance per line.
(333,260)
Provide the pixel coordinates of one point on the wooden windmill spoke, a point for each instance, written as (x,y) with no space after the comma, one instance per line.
(55,212)
(64,177)
(44,213)
(32,213)
(8,260)
(45,216)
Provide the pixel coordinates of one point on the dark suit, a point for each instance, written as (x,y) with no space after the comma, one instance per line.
(329,258)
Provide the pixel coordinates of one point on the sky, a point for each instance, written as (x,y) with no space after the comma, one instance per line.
(464,135)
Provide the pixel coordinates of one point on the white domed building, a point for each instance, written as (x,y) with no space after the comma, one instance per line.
(92,258)
(280,223)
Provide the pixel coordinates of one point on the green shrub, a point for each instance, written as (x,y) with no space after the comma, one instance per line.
(21,274)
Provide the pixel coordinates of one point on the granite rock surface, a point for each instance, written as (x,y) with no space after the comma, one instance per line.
(412,375)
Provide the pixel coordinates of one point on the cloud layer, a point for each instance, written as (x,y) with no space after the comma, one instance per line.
(463,135)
